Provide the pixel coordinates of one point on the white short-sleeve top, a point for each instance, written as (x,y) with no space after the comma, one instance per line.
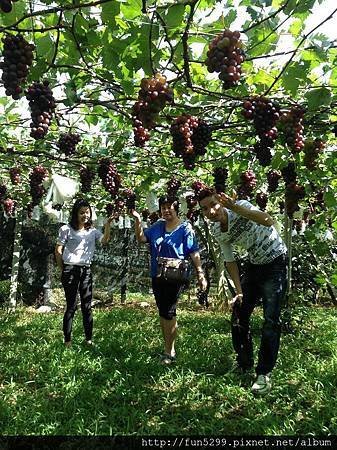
(79,245)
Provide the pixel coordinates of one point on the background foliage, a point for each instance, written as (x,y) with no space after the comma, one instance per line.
(95,54)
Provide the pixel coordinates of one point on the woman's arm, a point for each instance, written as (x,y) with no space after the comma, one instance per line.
(106,236)
(58,255)
(140,236)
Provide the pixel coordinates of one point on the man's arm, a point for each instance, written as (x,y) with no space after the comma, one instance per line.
(58,255)
(233,271)
(260,217)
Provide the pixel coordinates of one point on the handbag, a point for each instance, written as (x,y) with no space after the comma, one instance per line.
(173,269)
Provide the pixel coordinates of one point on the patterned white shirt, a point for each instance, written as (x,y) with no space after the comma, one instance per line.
(262,243)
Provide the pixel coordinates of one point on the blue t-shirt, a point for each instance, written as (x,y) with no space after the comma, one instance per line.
(178,243)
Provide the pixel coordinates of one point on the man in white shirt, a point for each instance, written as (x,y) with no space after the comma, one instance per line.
(240,223)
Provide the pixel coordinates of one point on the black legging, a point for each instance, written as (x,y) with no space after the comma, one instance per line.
(77,279)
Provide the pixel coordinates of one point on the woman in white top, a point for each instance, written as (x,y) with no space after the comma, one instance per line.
(74,252)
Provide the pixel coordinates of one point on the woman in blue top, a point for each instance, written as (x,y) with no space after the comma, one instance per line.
(172,238)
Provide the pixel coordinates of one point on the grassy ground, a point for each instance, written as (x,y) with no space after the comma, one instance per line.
(119,387)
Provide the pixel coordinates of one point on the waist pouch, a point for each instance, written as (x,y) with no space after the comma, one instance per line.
(173,269)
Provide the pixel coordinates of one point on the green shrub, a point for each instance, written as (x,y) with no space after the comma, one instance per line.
(4,290)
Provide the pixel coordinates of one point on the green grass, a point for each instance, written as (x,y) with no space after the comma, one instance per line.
(119,387)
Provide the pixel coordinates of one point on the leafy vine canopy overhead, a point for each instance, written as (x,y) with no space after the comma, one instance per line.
(79,95)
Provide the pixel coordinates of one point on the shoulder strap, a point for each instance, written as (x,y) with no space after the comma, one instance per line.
(163,236)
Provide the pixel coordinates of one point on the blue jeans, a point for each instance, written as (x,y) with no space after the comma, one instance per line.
(269,282)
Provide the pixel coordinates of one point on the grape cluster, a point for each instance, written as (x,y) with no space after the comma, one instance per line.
(192,215)
(111,179)
(130,199)
(153,217)
(115,208)
(247,185)
(262,150)
(36,178)
(87,176)
(42,104)
(14,174)
(297,225)
(110,208)
(67,143)
(264,114)
(192,202)
(289,174)
(141,134)
(220,175)
(273,177)
(145,214)
(9,206)
(6,5)
(312,149)
(290,124)
(172,187)
(293,194)
(3,191)
(190,136)
(318,201)
(261,200)
(152,98)
(198,187)
(18,56)
(281,206)
(225,56)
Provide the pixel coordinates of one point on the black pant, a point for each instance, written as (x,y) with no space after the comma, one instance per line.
(166,294)
(77,279)
(266,281)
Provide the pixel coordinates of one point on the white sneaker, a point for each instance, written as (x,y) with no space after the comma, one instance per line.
(262,384)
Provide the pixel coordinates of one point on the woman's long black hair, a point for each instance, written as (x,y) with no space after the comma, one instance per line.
(79,203)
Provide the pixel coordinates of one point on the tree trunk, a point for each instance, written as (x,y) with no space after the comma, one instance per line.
(48,281)
(124,274)
(15,261)
(215,253)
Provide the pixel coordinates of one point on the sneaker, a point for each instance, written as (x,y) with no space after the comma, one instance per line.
(262,384)
(166,360)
